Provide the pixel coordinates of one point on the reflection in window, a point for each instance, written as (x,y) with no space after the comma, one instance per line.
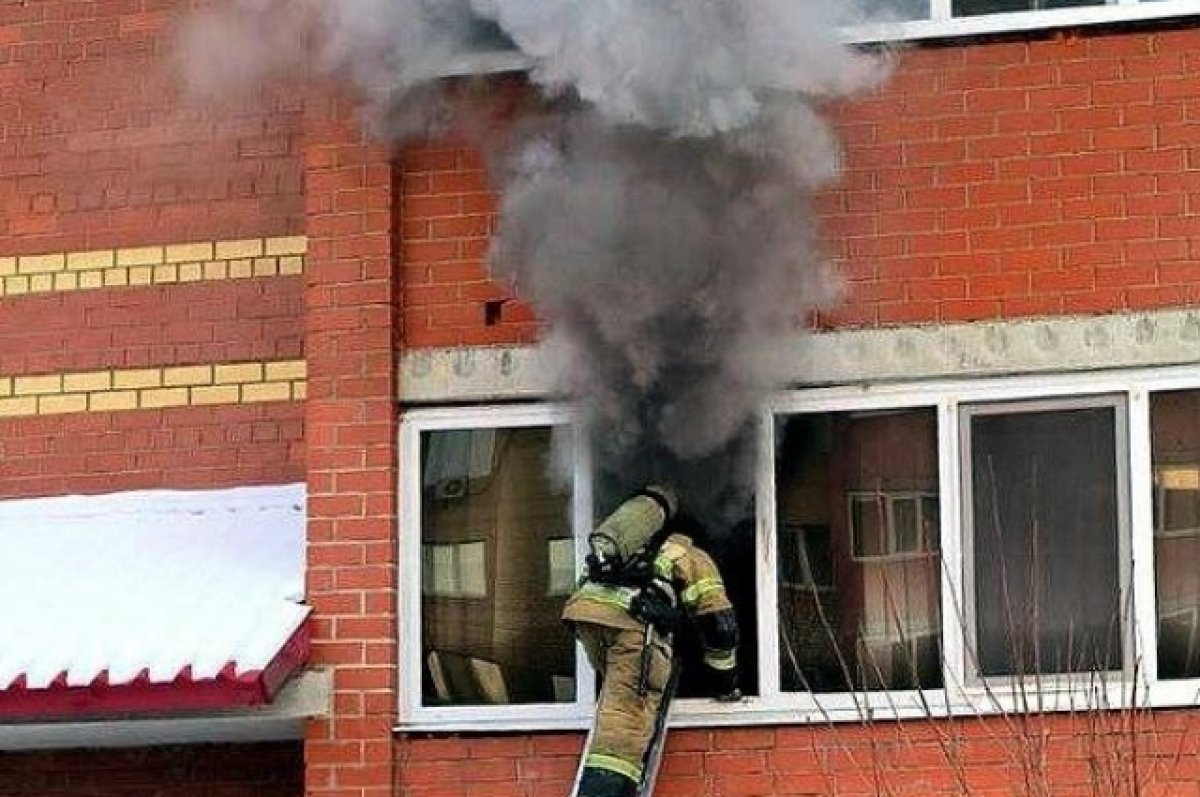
(859,571)
(971,8)
(454,571)
(1175,443)
(489,513)
(561,555)
(1045,526)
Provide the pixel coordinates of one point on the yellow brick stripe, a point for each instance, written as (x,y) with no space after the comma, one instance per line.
(153,388)
(152,265)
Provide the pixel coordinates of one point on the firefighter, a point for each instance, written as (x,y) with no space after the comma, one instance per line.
(642,576)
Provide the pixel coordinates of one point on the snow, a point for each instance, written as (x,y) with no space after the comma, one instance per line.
(149,580)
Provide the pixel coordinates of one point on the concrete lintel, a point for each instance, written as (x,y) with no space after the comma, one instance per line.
(307,695)
(1026,346)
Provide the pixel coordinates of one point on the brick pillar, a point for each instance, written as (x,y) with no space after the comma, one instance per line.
(350,431)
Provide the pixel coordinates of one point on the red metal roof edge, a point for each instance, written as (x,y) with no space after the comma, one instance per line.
(140,696)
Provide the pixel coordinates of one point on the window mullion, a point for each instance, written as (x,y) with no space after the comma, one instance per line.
(583,517)
(766,562)
(1141,538)
(940,10)
(955,617)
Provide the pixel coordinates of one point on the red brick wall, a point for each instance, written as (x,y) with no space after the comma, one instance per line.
(350,421)
(251,770)
(1060,755)
(98,150)
(225,321)
(179,448)
(1022,178)
(984,181)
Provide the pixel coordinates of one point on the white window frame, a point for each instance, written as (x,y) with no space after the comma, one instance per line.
(413,712)
(942,24)
(969,410)
(961,695)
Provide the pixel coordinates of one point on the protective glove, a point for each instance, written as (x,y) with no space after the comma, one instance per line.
(727,686)
(651,607)
(734,696)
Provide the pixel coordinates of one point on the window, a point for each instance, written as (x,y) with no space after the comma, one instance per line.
(976,546)
(495,535)
(854,491)
(917,19)
(1042,486)
(1175,445)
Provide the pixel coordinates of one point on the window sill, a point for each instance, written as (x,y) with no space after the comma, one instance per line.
(800,709)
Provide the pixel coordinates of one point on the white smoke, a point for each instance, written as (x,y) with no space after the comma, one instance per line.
(656,213)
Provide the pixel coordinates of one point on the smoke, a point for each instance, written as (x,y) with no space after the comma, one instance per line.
(656,212)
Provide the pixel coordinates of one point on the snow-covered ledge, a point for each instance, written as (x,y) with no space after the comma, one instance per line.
(861,356)
(307,695)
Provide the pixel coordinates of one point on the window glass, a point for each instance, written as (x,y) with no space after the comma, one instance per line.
(1175,442)
(561,555)
(1045,526)
(859,570)
(490,629)
(970,8)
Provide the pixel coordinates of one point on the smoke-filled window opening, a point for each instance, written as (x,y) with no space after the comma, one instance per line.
(497,550)
(1175,441)
(858,538)
(1046,538)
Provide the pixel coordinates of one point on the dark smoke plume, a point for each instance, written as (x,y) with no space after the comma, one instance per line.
(656,213)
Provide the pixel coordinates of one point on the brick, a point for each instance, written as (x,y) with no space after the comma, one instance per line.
(112,401)
(87,382)
(165,274)
(66,281)
(37,385)
(116,278)
(295,245)
(16,407)
(187,375)
(162,397)
(217,394)
(185,253)
(238,250)
(55,405)
(242,372)
(267,391)
(140,256)
(8,266)
(294,369)
(87,261)
(291,265)
(40,264)
(137,378)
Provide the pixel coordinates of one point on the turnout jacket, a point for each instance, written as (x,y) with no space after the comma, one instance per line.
(699,592)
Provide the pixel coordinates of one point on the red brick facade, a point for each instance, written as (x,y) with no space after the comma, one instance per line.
(986,180)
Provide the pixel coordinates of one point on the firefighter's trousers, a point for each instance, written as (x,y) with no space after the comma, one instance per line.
(625,720)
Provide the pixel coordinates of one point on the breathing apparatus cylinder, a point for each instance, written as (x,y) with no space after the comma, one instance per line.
(628,530)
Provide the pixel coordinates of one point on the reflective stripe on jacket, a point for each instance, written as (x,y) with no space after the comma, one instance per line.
(689,569)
